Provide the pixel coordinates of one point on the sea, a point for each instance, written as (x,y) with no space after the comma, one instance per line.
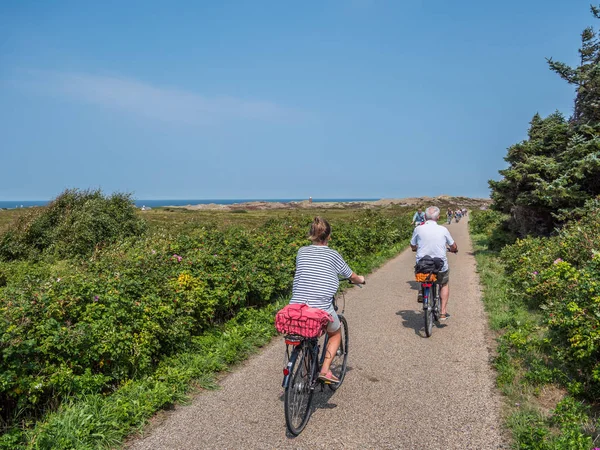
(11,204)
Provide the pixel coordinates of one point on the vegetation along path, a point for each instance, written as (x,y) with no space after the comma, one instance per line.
(402,390)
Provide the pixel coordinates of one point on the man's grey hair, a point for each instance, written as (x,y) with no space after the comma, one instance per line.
(432,213)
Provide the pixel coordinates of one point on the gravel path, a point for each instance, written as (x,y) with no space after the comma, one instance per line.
(402,390)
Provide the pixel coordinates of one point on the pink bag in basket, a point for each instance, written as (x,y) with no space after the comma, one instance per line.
(302,320)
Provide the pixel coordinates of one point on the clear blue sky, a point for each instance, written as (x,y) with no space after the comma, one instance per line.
(274,99)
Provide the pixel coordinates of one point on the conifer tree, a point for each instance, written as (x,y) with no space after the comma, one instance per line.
(557,169)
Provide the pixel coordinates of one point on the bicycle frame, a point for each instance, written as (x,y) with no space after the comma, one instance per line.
(427,289)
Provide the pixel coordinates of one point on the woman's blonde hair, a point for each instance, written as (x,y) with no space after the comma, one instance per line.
(319,230)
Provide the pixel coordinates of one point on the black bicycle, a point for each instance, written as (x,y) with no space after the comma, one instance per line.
(431,297)
(304,358)
(431,301)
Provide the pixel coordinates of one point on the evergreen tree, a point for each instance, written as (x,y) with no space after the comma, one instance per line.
(557,169)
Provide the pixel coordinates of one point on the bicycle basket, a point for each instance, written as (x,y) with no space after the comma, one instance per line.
(300,319)
(424,277)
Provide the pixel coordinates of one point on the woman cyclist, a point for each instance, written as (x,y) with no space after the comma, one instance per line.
(316,281)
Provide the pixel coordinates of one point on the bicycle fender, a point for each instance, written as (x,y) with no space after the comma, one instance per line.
(286,378)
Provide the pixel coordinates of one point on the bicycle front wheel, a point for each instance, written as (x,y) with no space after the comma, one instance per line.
(339,365)
(298,393)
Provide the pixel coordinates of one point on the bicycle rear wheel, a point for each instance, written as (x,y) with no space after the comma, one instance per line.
(428,311)
(437,303)
(339,365)
(298,393)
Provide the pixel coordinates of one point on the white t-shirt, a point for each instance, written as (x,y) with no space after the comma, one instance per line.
(431,239)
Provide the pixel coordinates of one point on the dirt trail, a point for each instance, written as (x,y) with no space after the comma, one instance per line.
(402,390)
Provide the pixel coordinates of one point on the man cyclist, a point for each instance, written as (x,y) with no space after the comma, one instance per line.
(418,218)
(431,239)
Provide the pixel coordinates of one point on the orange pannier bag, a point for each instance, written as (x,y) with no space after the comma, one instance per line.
(302,320)
(425,277)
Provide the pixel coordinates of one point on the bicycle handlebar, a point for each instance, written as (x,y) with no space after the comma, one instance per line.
(355,284)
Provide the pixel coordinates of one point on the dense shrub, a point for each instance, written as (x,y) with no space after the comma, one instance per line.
(84,327)
(484,221)
(493,224)
(72,225)
(561,276)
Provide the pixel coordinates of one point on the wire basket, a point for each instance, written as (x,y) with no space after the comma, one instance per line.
(301,320)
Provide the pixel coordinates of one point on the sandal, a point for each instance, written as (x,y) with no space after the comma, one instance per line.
(328,378)
(444,316)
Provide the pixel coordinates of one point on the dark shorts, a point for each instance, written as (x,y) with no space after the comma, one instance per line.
(443,277)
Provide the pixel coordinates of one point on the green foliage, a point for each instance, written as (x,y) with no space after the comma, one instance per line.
(493,224)
(484,221)
(77,329)
(102,421)
(543,295)
(561,277)
(72,225)
(564,429)
(557,169)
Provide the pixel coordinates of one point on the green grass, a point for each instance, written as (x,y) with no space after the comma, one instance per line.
(539,412)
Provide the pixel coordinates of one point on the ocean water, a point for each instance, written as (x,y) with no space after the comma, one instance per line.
(10,204)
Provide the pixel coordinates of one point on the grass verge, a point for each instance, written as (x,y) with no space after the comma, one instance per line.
(103,421)
(541,410)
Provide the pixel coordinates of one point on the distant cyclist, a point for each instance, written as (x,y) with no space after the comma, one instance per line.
(449,215)
(418,218)
(458,215)
(431,239)
(316,282)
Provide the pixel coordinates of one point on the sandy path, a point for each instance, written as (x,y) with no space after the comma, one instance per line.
(402,390)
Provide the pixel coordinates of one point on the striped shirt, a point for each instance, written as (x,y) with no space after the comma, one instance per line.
(316,280)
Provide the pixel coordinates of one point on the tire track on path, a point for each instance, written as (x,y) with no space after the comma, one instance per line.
(402,390)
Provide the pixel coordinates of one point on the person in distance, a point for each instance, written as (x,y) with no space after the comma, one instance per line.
(418,218)
(316,281)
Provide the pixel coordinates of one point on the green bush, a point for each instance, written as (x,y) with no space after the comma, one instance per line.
(484,221)
(560,276)
(564,429)
(494,225)
(77,328)
(72,225)
(547,332)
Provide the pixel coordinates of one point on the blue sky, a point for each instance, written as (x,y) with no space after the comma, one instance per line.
(273,99)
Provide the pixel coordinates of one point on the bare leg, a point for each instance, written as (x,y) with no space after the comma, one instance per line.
(335,339)
(444,295)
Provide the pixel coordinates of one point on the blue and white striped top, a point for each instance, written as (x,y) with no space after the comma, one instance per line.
(316,280)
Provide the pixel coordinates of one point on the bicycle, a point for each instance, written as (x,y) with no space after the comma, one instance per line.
(304,359)
(431,300)
(430,295)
